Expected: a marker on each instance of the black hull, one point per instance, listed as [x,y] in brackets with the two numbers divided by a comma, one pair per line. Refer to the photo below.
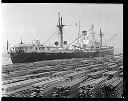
[33,57]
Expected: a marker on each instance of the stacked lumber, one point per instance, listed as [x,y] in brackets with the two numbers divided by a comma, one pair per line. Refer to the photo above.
[26,77]
[112,67]
[46,88]
[90,88]
[25,72]
[22,85]
[111,74]
[120,69]
[88,67]
[113,88]
[96,75]
[61,91]
[39,79]
[62,73]
[68,90]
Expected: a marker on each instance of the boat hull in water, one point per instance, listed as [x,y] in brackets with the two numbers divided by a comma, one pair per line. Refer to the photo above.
[34,56]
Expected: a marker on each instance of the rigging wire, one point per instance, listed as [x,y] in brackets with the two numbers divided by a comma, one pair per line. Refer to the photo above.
[51,35]
[110,39]
[77,38]
[49,38]
[5,61]
[117,51]
[5,58]
[55,38]
[67,35]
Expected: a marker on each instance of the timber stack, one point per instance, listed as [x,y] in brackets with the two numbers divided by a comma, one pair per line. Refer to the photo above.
[100,77]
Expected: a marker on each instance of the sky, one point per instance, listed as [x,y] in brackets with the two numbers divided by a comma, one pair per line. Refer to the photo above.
[38,21]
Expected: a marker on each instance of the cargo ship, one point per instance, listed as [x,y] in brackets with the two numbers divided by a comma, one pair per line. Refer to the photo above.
[25,53]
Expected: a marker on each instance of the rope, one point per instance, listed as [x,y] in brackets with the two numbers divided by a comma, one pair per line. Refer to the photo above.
[49,38]
[77,38]
[110,39]
[67,36]
[117,51]
[5,61]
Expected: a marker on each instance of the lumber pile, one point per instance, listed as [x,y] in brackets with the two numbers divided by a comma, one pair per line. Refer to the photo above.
[111,74]
[113,88]
[96,75]
[102,88]
[120,69]
[67,78]
[90,88]
[45,89]
[69,89]
[112,67]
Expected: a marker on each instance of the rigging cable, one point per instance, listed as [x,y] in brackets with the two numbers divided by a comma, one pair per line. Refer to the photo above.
[118,52]
[49,38]
[4,58]
[5,61]
[77,38]
[110,39]
[67,36]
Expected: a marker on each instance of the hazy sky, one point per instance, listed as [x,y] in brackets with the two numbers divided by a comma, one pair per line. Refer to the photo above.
[38,21]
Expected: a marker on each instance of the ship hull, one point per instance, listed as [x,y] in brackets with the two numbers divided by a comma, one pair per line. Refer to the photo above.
[34,56]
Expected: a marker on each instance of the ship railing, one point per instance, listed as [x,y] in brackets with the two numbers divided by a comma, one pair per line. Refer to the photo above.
[106,47]
[17,51]
[91,49]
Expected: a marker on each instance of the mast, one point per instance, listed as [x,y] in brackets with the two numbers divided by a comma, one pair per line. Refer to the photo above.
[93,37]
[60,27]
[21,41]
[61,34]
[101,37]
[92,32]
